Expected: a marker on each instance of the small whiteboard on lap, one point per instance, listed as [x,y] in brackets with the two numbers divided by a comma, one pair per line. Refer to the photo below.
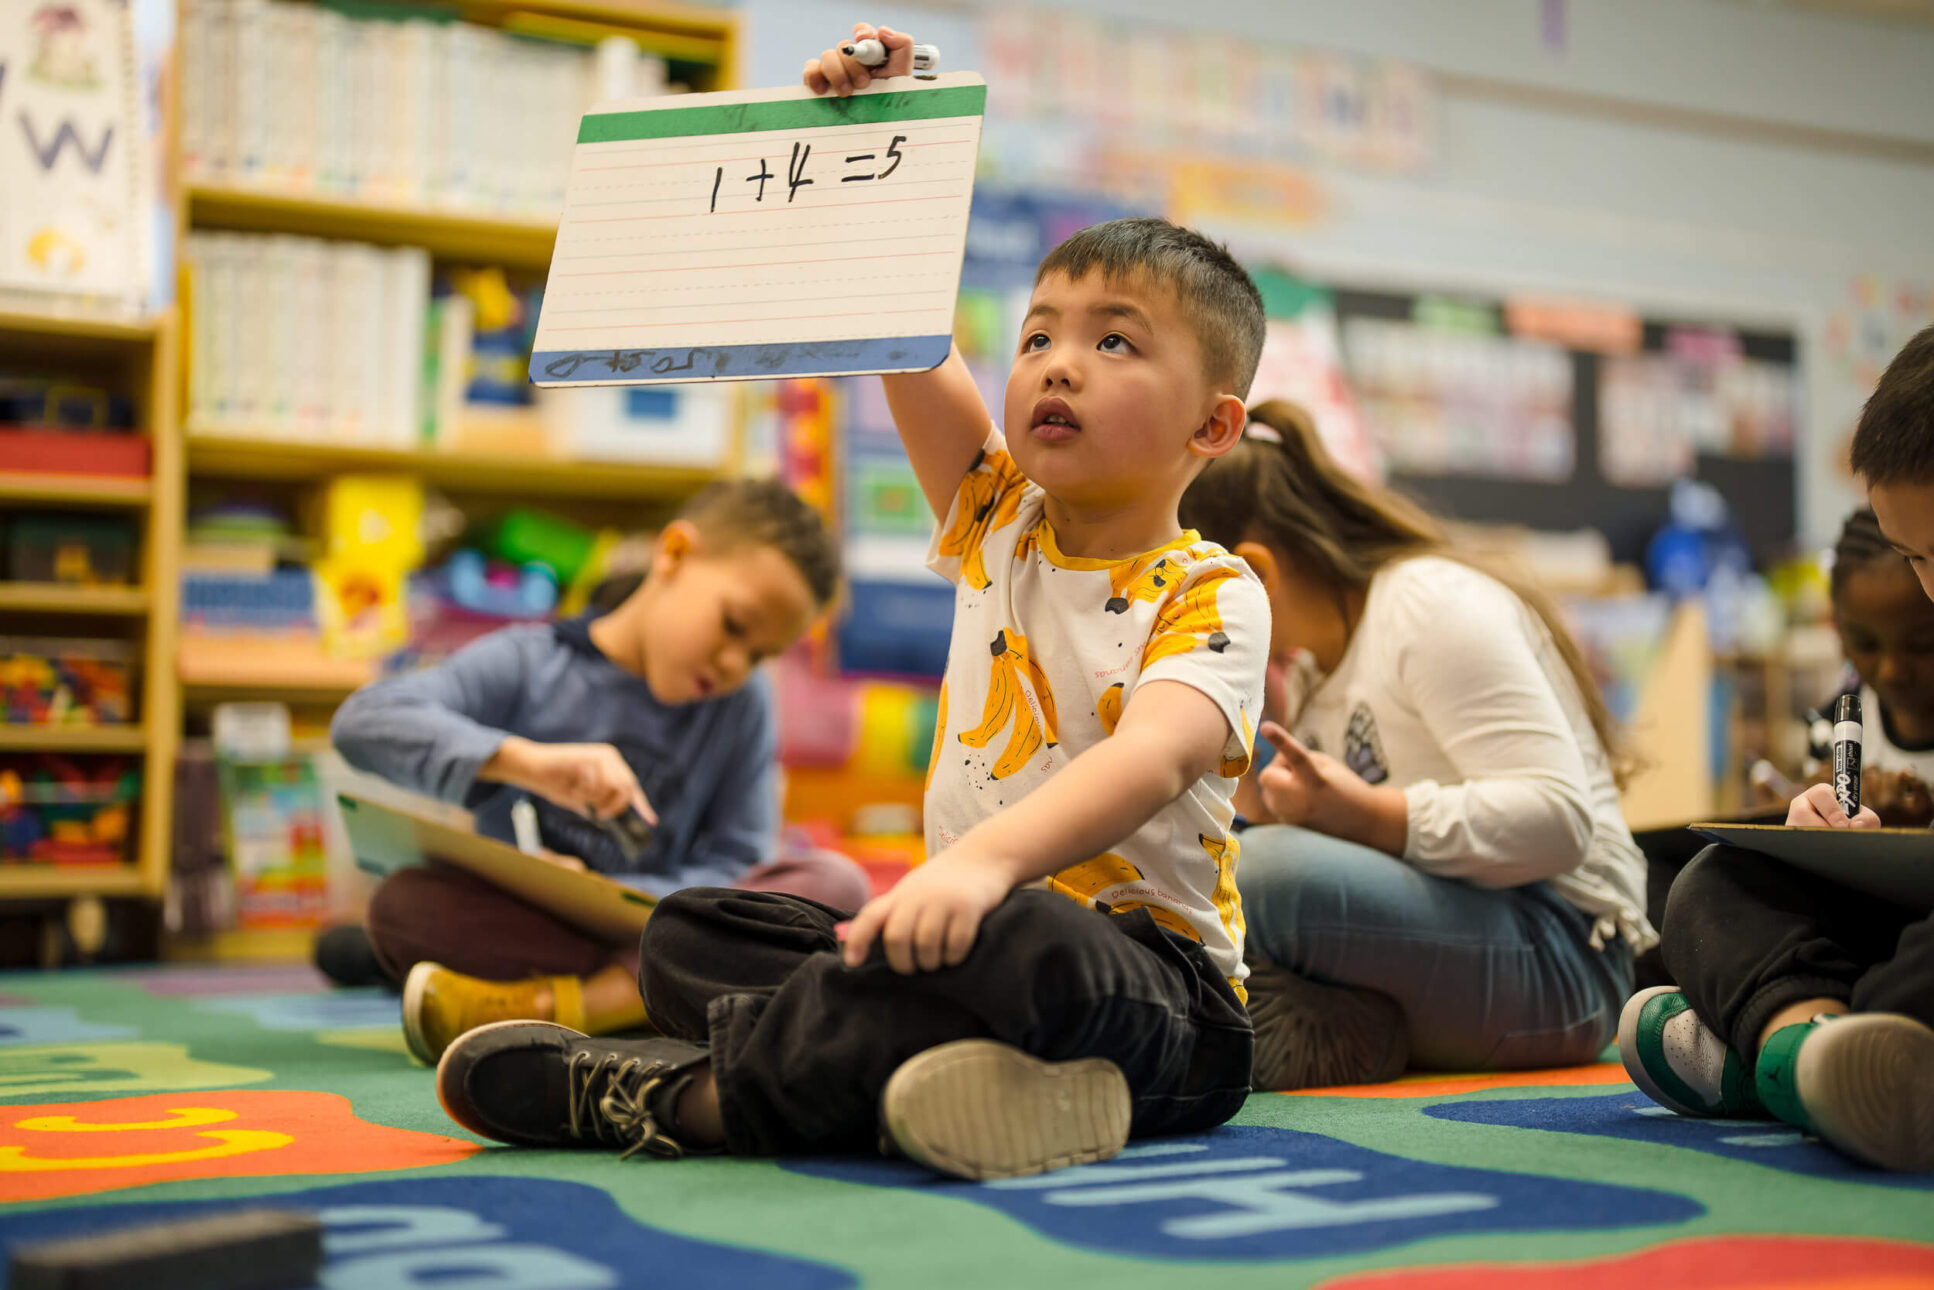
[762,234]
[1894,864]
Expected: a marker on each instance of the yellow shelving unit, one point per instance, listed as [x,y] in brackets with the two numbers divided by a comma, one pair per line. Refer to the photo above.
[242,457]
[73,739]
[27,488]
[703,45]
[58,598]
[140,355]
[447,234]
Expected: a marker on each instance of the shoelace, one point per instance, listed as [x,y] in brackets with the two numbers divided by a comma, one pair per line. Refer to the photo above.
[622,1114]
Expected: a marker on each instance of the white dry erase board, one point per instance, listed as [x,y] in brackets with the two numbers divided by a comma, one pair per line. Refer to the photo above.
[761,234]
[384,839]
[1894,864]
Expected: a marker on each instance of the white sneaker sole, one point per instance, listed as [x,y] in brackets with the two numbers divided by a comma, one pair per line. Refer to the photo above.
[413,987]
[1628,1049]
[1867,1082]
[979,1109]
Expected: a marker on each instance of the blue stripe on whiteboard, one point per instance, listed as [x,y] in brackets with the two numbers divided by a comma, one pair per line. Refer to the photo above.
[739,362]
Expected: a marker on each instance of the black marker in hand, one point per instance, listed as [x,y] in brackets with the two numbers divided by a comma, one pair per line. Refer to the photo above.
[1847,737]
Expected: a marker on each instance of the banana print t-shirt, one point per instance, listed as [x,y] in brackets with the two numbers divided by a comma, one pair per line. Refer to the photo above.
[1047,650]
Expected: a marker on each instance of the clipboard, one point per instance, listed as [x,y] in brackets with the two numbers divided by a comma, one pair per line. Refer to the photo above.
[384,839]
[1894,864]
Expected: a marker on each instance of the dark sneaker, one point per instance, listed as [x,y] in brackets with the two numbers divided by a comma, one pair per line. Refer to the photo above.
[1863,1081]
[1679,1062]
[344,955]
[538,1084]
[1312,1035]
[979,1109]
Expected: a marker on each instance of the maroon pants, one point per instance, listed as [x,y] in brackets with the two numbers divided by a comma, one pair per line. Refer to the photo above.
[446,915]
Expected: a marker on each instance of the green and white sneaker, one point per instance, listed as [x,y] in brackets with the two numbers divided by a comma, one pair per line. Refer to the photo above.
[1863,1081]
[1678,1062]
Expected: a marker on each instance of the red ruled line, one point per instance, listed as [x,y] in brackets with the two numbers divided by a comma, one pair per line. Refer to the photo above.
[694,323]
[822,206]
[756,264]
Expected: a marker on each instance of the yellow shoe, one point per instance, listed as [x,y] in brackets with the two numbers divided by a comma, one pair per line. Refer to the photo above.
[439,1005]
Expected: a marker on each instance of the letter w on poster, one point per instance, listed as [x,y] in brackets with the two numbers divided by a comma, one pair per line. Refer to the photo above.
[762,234]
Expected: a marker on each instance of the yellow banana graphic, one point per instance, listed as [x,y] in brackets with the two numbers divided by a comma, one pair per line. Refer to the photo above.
[990,497]
[1082,881]
[1030,543]
[1237,767]
[1007,702]
[1143,579]
[1228,901]
[1108,708]
[1189,619]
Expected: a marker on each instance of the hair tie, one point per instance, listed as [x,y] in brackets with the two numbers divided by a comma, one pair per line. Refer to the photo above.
[1266,433]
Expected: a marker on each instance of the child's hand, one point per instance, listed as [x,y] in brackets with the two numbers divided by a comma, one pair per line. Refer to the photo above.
[929,920]
[1818,808]
[843,74]
[1315,791]
[589,778]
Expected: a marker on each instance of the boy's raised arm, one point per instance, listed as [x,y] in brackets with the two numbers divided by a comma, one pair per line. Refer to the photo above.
[940,415]
[943,424]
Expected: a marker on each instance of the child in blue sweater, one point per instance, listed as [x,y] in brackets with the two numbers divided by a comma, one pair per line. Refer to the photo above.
[654,708]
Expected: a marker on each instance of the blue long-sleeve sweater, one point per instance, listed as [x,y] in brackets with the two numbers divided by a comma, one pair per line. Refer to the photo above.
[708,768]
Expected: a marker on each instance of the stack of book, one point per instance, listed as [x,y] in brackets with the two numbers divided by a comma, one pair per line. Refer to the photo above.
[304,98]
[297,338]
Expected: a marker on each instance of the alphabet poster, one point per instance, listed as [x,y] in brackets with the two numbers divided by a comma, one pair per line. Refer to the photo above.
[70,149]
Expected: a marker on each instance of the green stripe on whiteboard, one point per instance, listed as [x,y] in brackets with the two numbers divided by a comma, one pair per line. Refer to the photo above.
[783,114]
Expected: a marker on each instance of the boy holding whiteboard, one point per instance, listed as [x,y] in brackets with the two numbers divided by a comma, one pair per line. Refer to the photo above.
[1797,998]
[1065,970]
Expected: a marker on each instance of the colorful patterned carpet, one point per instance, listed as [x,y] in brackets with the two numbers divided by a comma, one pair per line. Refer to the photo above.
[128,1096]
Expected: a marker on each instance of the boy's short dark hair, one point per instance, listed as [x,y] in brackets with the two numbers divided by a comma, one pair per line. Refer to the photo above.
[1895,440]
[1216,294]
[733,514]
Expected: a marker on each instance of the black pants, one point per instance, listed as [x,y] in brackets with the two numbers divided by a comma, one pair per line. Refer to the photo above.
[1746,935]
[802,1045]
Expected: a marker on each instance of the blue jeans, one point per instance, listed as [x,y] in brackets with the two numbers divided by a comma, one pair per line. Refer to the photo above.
[1487,979]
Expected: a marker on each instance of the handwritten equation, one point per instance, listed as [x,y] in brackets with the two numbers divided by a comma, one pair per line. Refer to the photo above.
[777,223]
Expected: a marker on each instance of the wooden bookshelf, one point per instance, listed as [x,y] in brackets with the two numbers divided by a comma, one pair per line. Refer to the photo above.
[241,457]
[447,233]
[73,739]
[56,598]
[26,487]
[65,882]
[74,331]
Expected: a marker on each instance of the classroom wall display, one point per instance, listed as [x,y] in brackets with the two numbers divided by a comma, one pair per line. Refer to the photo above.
[1205,91]
[1658,412]
[1302,361]
[1717,401]
[74,205]
[761,234]
[1445,394]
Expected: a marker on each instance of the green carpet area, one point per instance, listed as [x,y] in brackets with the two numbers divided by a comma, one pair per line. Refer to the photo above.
[130,1095]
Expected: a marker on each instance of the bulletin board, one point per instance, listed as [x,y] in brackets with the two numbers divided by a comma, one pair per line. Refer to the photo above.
[1594,476]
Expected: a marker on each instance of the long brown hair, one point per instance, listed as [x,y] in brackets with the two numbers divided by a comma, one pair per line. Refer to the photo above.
[1296,499]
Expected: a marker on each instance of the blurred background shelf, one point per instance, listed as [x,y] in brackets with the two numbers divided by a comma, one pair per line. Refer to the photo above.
[70,739]
[240,457]
[445,232]
[72,331]
[57,882]
[30,488]
[55,598]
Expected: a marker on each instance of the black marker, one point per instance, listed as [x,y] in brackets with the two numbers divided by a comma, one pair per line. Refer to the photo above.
[1847,736]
